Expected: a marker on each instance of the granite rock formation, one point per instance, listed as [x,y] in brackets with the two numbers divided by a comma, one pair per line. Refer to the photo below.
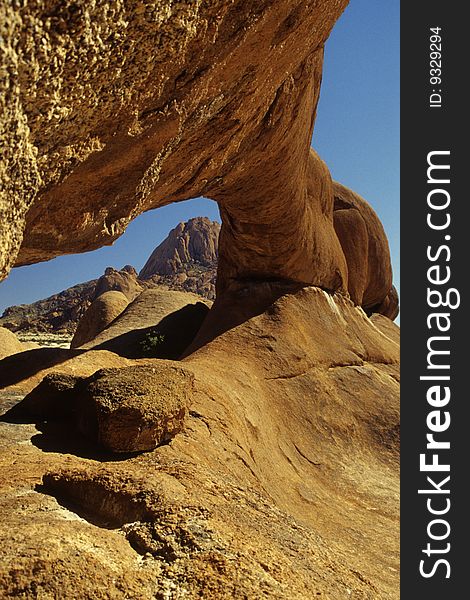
[187,259]
[174,317]
[58,313]
[9,343]
[134,409]
[124,281]
[193,243]
[285,478]
[61,312]
[284,481]
[171,102]
[98,316]
[193,271]
[365,247]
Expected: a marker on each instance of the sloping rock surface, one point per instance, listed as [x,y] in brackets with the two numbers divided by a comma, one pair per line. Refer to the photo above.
[98,316]
[175,316]
[283,483]
[9,343]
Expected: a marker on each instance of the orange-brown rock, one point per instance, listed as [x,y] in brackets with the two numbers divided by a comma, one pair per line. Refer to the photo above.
[224,110]
[389,307]
[134,409]
[193,243]
[284,481]
[124,281]
[98,316]
[285,478]
[23,371]
[173,317]
[365,247]
[186,260]
[124,410]
[9,343]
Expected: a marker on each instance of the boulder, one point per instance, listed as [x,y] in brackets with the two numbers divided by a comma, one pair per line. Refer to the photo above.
[98,316]
[134,409]
[129,409]
[9,343]
[124,281]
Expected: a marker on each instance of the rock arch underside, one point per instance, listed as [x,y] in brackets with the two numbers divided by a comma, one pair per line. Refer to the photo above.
[283,482]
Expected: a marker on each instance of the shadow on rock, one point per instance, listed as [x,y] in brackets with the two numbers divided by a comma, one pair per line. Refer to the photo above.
[21,366]
[61,437]
[167,340]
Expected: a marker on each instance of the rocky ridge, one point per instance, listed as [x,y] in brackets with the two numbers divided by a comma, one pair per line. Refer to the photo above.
[187,259]
[59,313]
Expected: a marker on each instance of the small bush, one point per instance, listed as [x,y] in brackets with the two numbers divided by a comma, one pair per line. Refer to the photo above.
[151,342]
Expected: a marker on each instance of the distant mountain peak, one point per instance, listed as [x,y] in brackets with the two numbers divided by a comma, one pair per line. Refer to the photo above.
[191,243]
[186,260]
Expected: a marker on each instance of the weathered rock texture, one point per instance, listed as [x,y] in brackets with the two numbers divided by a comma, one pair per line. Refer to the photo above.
[98,316]
[189,244]
[123,410]
[284,481]
[134,409]
[128,107]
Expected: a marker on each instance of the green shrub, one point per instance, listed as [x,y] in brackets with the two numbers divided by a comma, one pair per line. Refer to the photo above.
[151,342]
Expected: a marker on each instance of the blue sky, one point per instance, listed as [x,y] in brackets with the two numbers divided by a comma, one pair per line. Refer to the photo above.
[356,133]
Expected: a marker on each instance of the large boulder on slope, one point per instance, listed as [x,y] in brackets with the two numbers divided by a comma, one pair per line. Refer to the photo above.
[102,311]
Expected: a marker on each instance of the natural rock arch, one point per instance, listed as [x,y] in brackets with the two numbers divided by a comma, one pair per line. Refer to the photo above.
[216,100]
